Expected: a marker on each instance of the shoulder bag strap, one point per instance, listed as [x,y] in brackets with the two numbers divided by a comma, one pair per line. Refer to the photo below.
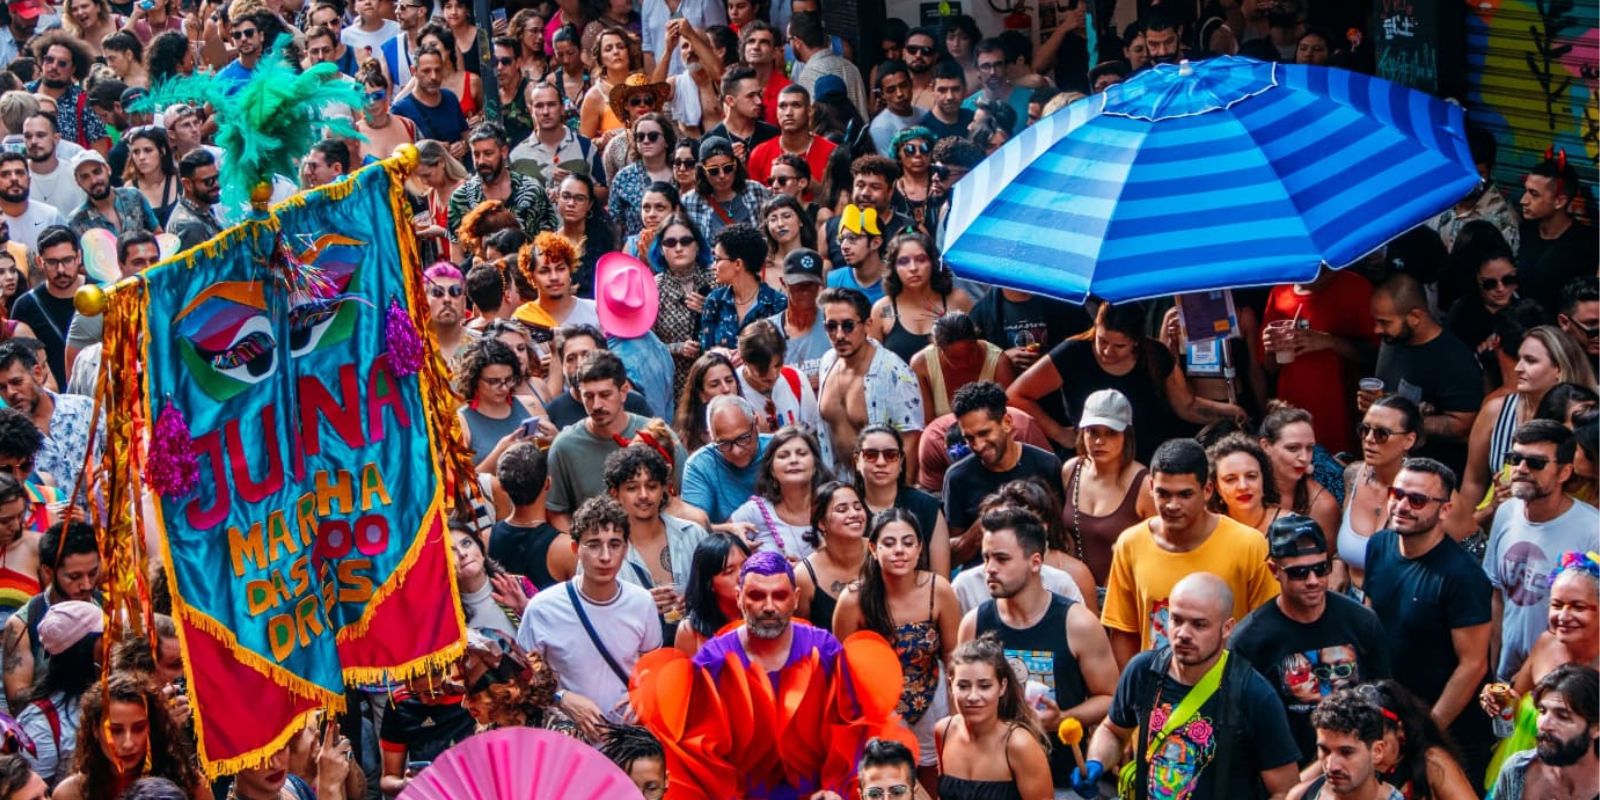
[594,637]
[52,716]
[1190,704]
[83,129]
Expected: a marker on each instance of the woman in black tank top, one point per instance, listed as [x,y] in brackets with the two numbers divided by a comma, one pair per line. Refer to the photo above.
[840,518]
[993,747]
[918,289]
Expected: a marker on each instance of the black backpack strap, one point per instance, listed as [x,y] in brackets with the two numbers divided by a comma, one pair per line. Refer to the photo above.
[1148,692]
[1230,715]
[37,607]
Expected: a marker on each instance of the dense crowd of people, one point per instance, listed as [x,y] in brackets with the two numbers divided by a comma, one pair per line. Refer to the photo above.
[1359,562]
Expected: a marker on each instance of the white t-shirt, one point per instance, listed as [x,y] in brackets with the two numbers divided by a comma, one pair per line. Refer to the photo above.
[627,625]
[57,188]
[685,104]
[1518,561]
[355,38]
[583,313]
[972,590]
[35,218]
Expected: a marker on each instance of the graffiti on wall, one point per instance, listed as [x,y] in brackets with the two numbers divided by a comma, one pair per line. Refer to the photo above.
[1533,79]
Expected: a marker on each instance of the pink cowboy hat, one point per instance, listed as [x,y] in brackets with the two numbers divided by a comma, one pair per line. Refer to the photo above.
[626,296]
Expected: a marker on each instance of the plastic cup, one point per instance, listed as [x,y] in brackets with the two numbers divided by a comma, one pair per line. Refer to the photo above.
[1281,331]
[1371,384]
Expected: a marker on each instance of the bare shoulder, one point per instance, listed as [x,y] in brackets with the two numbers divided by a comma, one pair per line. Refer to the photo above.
[70,789]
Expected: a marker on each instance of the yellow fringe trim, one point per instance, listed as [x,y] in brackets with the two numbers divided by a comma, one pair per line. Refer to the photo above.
[260,756]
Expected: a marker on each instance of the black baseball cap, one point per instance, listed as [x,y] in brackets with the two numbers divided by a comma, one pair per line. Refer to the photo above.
[1295,535]
[802,265]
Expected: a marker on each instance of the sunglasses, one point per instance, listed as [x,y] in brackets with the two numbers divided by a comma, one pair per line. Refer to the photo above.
[1300,573]
[377,95]
[647,137]
[641,101]
[1490,284]
[1535,463]
[913,149]
[240,33]
[683,163]
[783,180]
[1377,433]
[1414,499]
[833,326]
[918,49]
[887,455]
[725,169]
[437,291]
[504,61]
[678,241]
[206,183]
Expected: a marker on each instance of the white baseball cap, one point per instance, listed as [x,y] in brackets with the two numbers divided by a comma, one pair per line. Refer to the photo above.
[1108,408]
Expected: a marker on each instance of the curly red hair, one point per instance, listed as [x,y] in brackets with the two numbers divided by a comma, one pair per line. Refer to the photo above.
[553,246]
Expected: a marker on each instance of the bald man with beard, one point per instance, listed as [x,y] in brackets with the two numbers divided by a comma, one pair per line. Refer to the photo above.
[1235,742]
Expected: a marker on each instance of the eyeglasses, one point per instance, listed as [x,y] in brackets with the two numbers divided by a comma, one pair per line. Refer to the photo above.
[678,241]
[1414,499]
[833,326]
[1300,573]
[917,50]
[879,792]
[913,149]
[504,61]
[240,33]
[1535,463]
[1377,433]
[598,546]
[436,291]
[887,455]
[647,137]
[1490,284]
[500,383]
[569,197]
[60,263]
[683,163]
[725,169]
[739,442]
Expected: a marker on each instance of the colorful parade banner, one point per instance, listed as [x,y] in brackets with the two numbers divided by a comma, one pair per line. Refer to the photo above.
[304,544]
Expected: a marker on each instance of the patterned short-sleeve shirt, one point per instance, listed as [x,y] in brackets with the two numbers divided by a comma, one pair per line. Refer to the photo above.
[894,398]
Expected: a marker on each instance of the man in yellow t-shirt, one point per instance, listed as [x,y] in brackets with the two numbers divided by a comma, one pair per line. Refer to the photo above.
[1151,557]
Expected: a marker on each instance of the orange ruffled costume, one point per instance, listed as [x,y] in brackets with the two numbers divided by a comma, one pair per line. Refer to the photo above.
[733,734]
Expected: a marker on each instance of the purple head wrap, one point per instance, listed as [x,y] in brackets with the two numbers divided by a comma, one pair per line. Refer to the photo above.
[767,562]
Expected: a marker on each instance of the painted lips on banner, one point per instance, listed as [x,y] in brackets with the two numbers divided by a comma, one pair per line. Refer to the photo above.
[311,553]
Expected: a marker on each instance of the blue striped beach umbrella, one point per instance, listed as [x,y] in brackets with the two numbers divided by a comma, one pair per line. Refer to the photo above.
[1222,173]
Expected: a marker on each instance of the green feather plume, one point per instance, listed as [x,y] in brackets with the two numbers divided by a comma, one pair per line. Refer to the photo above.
[267,124]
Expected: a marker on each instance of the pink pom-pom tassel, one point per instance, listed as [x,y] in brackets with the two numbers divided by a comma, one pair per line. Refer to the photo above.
[405,345]
[170,465]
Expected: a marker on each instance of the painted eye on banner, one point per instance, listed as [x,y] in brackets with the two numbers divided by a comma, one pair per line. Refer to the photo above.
[226,339]
[327,314]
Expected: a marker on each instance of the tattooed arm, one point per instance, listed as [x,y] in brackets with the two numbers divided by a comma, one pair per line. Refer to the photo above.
[17,661]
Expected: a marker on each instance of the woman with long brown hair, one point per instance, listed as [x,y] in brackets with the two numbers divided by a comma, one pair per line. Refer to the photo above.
[91,21]
[838,525]
[124,734]
[614,57]
[712,374]
[916,611]
[993,746]
[152,170]
[1107,489]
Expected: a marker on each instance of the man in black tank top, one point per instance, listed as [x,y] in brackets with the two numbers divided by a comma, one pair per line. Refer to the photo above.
[524,543]
[1055,646]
